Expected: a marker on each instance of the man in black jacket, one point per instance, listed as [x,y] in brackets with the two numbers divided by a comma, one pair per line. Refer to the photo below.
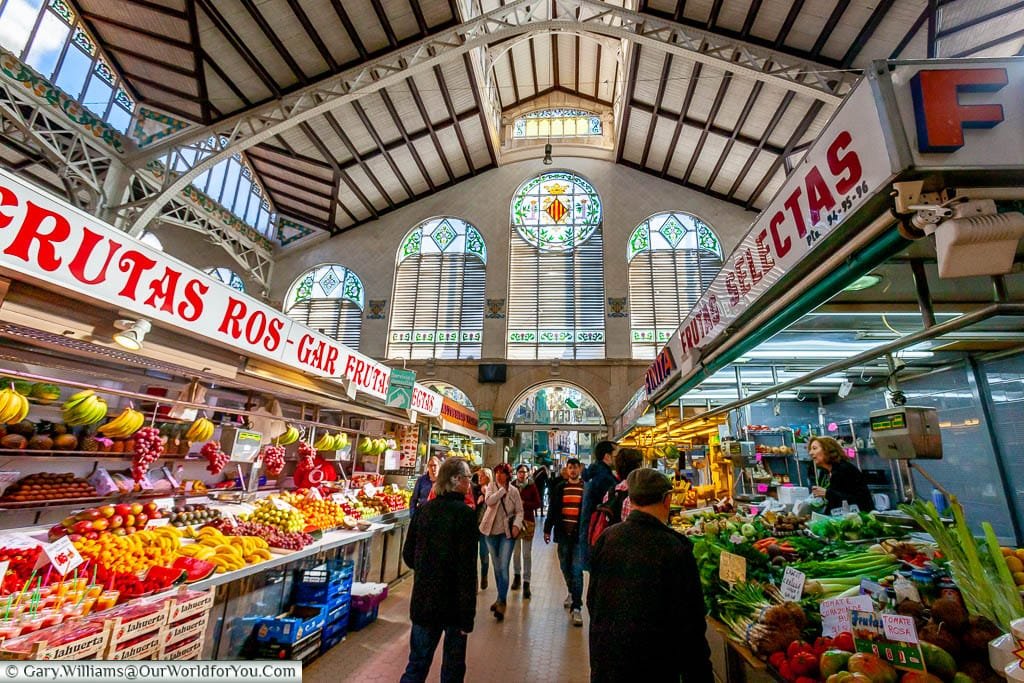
[441,548]
[645,600]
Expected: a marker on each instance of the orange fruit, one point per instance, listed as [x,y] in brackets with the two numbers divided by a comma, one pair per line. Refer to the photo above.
[1006,551]
[1014,563]
[1018,578]
[1019,553]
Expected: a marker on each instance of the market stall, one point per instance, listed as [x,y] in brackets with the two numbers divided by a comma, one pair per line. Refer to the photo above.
[922,591]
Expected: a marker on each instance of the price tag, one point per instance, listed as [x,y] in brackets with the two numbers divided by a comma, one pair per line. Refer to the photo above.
[229,517]
[314,493]
[281,504]
[732,568]
[163,521]
[890,637]
[63,555]
[792,588]
[835,613]
[164,503]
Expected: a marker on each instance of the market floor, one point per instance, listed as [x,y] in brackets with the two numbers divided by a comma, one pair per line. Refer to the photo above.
[536,642]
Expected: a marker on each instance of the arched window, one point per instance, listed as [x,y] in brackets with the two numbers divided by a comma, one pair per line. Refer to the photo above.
[556,123]
[228,277]
[673,258]
[437,310]
[451,391]
[329,299]
[556,270]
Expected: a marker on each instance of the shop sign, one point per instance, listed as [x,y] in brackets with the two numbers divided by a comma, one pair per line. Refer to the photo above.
[426,400]
[486,421]
[662,371]
[53,243]
[458,414]
[400,387]
[635,410]
[844,167]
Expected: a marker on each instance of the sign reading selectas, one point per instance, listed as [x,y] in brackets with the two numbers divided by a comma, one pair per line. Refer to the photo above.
[46,239]
[426,401]
[845,166]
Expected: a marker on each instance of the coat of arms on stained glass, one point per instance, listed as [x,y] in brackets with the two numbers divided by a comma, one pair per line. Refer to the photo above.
[495,308]
[618,307]
[375,309]
[556,211]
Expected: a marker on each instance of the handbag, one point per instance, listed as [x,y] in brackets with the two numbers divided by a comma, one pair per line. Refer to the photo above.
[513,530]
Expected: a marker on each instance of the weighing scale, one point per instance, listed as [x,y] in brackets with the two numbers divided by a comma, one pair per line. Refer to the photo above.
[904,434]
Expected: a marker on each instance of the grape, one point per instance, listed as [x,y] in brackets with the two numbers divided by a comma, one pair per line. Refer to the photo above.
[273,459]
[148,447]
[272,535]
[306,454]
[216,457]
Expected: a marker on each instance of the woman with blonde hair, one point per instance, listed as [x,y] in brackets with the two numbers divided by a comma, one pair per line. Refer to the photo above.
[838,479]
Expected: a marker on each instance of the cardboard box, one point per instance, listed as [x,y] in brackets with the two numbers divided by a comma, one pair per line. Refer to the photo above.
[135,620]
[187,603]
[175,633]
[77,640]
[189,648]
[140,648]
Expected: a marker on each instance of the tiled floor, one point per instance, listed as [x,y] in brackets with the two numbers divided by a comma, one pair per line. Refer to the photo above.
[536,642]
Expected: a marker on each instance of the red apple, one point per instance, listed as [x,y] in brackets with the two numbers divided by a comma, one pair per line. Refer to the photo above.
[141,519]
[107,511]
[92,535]
[151,508]
[57,531]
[123,509]
[116,521]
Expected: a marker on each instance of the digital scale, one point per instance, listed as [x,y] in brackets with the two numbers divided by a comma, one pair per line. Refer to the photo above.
[243,446]
[907,433]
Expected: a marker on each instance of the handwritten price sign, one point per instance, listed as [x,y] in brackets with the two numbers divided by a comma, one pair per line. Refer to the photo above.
[63,555]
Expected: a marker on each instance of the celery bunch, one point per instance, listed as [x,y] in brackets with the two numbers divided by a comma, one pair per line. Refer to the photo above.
[980,573]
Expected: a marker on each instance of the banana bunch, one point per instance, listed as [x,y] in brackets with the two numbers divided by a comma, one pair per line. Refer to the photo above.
[289,437]
[331,442]
[166,537]
[228,553]
[124,425]
[84,408]
[13,406]
[201,430]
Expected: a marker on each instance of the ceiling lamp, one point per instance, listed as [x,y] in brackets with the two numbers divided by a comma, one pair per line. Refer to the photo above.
[863,282]
[547,155]
[131,333]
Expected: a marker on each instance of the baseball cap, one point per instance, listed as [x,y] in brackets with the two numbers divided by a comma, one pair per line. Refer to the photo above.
[647,486]
[572,461]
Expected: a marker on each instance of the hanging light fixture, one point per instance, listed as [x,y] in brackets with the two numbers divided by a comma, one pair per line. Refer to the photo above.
[131,333]
[547,155]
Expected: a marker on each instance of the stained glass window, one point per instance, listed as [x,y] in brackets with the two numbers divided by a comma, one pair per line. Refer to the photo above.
[556,123]
[673,258]
[228,277]
[556,272]
[329,299]
[437,309]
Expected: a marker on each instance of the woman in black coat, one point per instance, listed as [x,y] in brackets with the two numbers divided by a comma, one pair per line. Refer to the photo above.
[838,478]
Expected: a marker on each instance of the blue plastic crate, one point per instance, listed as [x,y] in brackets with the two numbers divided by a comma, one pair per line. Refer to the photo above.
[292,626]
[323,582]
[336,626]
[359,619]
[333,640]
[339,612]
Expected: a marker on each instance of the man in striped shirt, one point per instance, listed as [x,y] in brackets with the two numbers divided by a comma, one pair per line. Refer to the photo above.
[564,519]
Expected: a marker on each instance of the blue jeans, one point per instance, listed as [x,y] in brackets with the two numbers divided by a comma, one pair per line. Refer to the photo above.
[484,561]
[423,643]
[500,547]
[572,569]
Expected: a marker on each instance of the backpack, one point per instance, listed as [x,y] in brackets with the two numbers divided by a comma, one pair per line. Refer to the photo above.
[605,515]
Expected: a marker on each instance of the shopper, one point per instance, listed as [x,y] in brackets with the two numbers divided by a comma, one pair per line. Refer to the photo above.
[522,552]
[564,519]
[502,523]
[540,479]
[599,480]
[421,492]
[645,600]
[616,506]
[838,479]
[441,549]
[482,478]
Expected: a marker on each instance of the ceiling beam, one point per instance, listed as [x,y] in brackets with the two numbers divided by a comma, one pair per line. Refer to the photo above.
[1001,12]
[748,106]
[446,96]
[148,59]
[750,18]
[313,34]
[691,88]
[114,23]
[794,139]
[236,43]
[699,123]
[417,12]
[787,24]
[487,123]
[634,65]
[881,9]
[365,120]
[350,28]
[521,16]
[909,35]
[422,109]
[267,30]
[666,69]
[762,143]
[397,120]
[716,105]
[197,62]
[991,43]
[830,25]
[224,78]
[360,162]
[326,153]
[382,17]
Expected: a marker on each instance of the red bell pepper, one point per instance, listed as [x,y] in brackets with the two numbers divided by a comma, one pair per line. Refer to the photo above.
[844,641]
[804,664]
[797,646]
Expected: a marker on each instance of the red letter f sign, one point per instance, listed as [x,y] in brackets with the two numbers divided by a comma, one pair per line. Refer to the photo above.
[940,116]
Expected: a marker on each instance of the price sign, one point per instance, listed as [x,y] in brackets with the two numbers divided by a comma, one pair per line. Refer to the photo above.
[281,504]
[792,587]
[835,613]
[63,555]
[315,494]
[732,568]
[163,521]
[890,637]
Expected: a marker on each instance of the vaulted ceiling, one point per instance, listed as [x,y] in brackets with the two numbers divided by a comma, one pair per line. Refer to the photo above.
[703,121]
